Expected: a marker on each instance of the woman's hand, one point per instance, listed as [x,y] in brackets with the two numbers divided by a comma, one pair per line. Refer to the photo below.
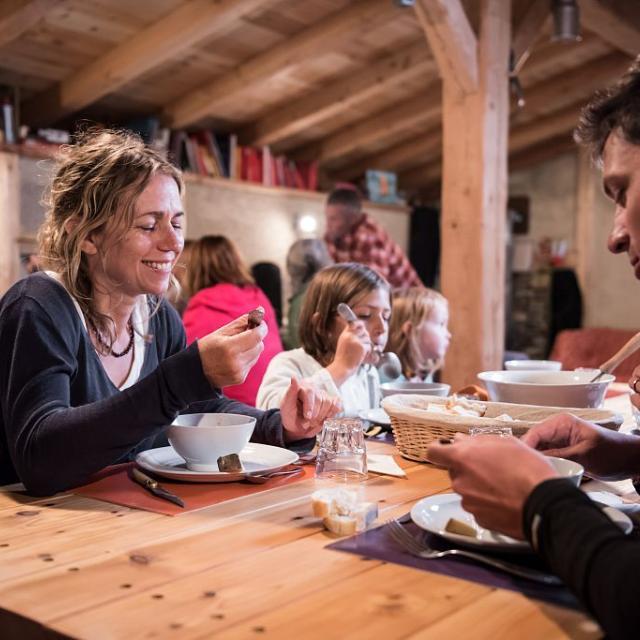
[228,353]
[602,452]
[352,348]
[304,409]
[494,476]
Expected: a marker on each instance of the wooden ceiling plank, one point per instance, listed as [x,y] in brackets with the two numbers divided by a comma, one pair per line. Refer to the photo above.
[620,31]
[569,87]
[452,40]
[399,156]
[190,23]
[289,53]
[528,31]
[422,108]
[18,16]
[412,62]
[539,98]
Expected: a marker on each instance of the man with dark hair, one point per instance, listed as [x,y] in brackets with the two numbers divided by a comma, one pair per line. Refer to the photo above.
[352,236]
[512,488]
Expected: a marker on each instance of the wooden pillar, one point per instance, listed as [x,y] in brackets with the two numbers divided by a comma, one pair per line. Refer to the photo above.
[9,219]
[474,180]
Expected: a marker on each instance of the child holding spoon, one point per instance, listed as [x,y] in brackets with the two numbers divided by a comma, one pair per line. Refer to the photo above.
[334,351]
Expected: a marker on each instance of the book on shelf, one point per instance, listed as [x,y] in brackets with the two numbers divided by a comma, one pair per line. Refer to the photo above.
[218,155]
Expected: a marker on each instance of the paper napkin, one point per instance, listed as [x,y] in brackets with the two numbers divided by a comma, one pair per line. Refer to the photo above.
[384,464]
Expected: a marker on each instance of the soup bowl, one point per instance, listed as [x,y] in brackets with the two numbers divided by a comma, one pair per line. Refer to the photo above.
[201,438]
[546,388]
[567,469]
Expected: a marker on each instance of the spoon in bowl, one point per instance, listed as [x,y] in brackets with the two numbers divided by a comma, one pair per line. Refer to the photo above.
[627,349]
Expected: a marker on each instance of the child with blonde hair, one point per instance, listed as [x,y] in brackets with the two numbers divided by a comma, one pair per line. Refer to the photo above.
[419,333]
[336,354]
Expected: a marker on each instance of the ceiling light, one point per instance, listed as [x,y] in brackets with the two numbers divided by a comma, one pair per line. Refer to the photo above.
[566,21]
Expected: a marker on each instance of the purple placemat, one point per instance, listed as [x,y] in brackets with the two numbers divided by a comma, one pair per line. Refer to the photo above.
[378,543]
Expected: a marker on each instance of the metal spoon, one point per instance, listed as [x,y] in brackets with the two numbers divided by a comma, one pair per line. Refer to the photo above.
[389,365]
[627,349]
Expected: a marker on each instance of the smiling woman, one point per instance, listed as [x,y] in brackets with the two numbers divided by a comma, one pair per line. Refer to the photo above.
[94,362]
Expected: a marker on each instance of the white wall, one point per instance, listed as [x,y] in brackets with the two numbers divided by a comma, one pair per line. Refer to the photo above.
[613,298]
[261,221]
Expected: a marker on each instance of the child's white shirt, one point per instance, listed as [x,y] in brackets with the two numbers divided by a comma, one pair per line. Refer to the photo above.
[359,392]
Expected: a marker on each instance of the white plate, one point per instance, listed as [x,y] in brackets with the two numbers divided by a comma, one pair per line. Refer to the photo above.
[433,513]
[377,416]
[255,458]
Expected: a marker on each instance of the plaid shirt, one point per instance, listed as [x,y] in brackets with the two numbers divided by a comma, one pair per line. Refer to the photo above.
[368,243]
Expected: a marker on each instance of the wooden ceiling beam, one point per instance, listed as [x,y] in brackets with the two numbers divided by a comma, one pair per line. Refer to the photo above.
[555,126]
[411,63]
[18,16]
[398,157]
[570,87]
[311,41]
[605,18]
[452,40]
[528,31]
[423,108]
[537,97]
[165,39]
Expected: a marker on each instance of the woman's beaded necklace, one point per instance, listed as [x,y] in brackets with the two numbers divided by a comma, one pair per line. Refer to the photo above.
[105,348]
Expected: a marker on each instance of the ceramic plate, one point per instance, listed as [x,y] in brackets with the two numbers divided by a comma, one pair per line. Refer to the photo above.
[376,416]
[255,458]
[433,513]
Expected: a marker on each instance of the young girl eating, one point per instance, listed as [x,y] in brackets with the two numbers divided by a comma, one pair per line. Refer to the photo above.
[336,354]
[419,333]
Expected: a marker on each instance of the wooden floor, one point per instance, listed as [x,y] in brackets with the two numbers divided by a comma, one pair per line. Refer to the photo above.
[251,568]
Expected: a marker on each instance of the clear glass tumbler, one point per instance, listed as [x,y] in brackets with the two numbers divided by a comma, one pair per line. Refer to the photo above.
[342,453]
[490,431]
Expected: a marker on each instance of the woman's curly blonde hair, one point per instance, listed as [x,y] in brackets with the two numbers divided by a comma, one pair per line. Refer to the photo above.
[96,185]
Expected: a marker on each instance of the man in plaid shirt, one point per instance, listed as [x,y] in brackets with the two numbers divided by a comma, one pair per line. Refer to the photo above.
[352,236]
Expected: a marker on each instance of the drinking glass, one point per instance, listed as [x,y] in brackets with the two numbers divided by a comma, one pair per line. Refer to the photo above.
[342,453]
[490,431]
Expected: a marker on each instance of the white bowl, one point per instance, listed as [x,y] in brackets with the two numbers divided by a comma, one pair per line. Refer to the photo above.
[533,365]
[546,388]
[420,388]
[201,438]
[567,469]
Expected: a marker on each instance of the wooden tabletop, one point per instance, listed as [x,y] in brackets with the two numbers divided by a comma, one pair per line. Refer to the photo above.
[255,567]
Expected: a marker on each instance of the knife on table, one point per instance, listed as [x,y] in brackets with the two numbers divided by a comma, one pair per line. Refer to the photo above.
[153,487]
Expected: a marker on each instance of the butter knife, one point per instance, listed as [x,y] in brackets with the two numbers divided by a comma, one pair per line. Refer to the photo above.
[153,487]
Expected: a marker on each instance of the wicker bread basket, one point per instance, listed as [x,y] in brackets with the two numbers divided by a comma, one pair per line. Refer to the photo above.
[414,428]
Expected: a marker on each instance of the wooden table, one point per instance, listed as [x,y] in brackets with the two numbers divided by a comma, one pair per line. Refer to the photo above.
[251,568]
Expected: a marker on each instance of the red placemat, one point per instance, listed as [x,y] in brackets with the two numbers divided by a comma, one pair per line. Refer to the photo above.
[114,485]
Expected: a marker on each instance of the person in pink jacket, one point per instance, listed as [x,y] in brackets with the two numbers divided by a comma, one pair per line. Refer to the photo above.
[221,289]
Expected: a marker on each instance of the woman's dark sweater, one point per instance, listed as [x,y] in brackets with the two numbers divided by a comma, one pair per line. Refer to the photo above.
[62,419]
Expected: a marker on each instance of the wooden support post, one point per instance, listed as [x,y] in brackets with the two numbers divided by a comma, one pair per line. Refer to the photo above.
[9,219]
[474,192]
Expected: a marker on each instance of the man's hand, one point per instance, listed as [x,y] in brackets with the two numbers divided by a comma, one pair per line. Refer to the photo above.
[229,353]
[352,348]
[602,452]
[304,410]
[494,476]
